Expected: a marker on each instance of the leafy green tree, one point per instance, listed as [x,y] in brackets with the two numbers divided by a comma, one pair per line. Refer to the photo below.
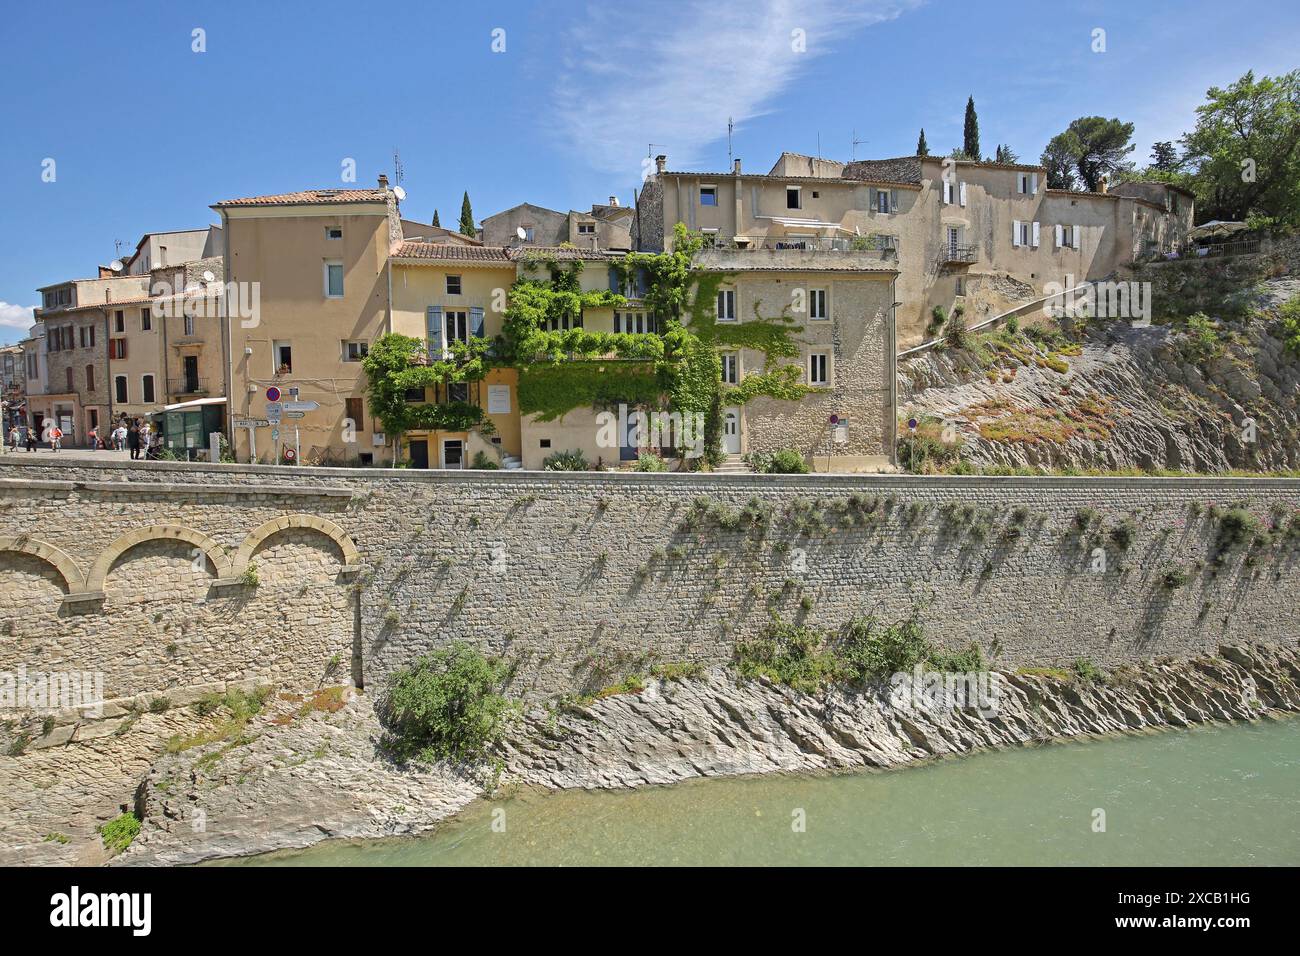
[1245,150]
[1060,165]
[397,364]
[1164,158]
[1005,154]
[1094,146]
[466,217]
[922,148]
[971,131]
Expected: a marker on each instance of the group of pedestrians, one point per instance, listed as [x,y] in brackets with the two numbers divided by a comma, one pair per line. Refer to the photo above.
[134,435]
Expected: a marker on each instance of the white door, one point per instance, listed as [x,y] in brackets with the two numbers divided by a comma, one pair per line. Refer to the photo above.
[453,451]
[731,431]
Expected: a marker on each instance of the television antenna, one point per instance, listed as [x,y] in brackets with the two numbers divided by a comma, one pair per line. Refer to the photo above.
[856,143]
[730,127]
[398,171]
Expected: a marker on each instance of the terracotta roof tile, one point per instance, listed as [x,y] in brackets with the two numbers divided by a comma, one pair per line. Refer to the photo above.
[310,196]
[411,249]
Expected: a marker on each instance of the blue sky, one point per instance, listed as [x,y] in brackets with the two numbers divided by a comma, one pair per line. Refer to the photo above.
[147,133]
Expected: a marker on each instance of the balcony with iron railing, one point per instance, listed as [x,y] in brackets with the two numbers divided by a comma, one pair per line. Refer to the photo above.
[959,254]
[800,253]
[187,386]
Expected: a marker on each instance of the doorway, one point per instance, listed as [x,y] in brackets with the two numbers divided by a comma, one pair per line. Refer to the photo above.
[453,453]
[731,431]
[419,453]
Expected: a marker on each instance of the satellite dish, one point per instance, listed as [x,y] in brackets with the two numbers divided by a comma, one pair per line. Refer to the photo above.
[209,277]
[520,233]
[399,192]
[116,265]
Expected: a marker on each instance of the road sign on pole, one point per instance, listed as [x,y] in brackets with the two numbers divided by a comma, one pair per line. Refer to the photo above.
[272,394]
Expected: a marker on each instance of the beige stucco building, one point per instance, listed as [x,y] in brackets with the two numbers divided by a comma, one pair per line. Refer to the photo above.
[985,236]
[306,293]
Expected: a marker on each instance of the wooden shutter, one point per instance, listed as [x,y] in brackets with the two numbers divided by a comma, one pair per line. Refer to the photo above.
[613,280]
[963,194]
[1060,235]
[1015,232]
[893,200]
[1033,184]
[874,202]
[1074,235]
[1035,236]
[434,332]
[476,323]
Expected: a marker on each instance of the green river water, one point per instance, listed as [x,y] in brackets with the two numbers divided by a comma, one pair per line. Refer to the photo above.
[1221,795]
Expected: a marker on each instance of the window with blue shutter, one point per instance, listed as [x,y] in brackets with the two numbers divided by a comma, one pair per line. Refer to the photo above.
[476,323]
[613,280]
[641,282]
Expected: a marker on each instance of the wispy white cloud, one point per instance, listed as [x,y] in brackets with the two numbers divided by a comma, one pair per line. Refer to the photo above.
[15,316]
[673,74]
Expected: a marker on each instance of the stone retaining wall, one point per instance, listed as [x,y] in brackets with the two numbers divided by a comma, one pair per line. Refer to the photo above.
[143,572]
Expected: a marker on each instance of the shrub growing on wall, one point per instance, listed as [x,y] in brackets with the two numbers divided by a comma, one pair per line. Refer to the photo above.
[566,461]
[447,706]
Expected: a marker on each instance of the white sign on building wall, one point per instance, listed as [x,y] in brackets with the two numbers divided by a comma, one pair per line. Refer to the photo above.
[498,399]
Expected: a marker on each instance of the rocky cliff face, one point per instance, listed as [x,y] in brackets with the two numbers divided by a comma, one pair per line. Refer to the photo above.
[1174,396]
[719,725]
[289,783]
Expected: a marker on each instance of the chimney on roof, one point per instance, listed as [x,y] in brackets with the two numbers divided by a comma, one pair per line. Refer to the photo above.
[613,200]
[661,163]
[383,181]
[736,169]
[1103,184]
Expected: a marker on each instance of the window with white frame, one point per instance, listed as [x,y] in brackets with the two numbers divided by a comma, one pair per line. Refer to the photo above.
[819,368]
[727,305]
[282,357]
[1024,233]
[1067,237]
[119,321]
[793,197]
[333,279]
[635,322]
[355,351]
[1027,184]
[189,325]
[817,304]
[146,389]
[586,228]
[730,368]
[457,325]
[333,232]
[708,195]
[146,320]
[453,285]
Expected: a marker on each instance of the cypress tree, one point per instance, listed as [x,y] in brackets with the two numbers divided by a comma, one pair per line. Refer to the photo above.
[922,149]
[435,219]
[466,217]
[971,131]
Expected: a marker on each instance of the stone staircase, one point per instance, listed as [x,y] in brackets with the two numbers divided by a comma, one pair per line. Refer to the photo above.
[511,462]
[732,465]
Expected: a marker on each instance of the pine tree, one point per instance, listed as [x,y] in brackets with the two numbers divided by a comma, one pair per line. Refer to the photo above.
[466,217]
[435,219]
[922,148]
[971,131]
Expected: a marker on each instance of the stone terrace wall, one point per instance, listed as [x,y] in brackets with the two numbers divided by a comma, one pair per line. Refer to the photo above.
[584,578]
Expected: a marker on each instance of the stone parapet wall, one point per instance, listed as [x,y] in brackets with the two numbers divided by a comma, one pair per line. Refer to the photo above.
[583,578]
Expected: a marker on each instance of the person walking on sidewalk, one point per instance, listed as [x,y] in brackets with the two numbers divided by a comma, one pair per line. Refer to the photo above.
[133,439]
